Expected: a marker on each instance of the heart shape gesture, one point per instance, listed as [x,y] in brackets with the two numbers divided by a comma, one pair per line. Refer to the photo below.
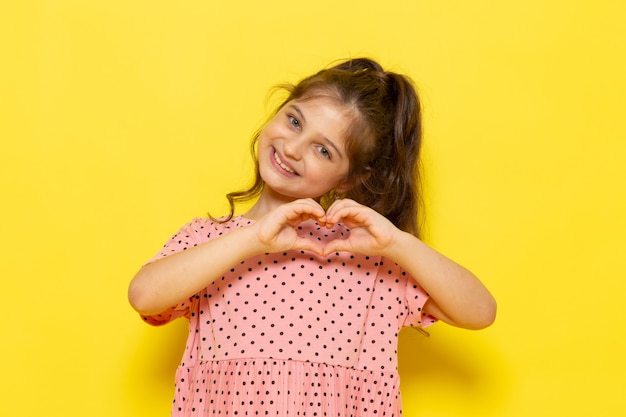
[370,232]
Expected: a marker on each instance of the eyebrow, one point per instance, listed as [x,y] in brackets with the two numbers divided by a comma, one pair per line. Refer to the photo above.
[328,141]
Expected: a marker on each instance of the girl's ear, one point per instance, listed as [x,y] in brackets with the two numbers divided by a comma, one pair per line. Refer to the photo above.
[342,188]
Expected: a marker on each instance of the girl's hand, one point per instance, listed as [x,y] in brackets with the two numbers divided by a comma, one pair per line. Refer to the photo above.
[276,231]
[370,232]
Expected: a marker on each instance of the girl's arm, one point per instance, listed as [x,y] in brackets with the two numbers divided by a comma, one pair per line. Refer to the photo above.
[457,296]
[167,281]
[164,283]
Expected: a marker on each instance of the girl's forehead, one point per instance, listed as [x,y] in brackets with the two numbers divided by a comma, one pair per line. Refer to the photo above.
[324,101]
[320,95]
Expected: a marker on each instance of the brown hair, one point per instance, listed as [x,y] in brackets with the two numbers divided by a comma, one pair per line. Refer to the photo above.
[383,143]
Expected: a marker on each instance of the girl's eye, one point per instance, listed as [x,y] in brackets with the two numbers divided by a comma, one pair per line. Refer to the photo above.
[324,152]
[294,122]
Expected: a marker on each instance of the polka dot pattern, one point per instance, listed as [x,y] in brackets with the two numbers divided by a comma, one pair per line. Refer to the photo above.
[293,333]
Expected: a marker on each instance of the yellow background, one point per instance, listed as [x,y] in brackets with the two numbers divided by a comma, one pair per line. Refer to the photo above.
[121,120]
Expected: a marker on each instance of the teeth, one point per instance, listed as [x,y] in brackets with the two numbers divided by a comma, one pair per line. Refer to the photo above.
[282,164]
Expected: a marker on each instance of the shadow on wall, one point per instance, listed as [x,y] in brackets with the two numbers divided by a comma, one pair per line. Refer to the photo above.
[452,372]
[152,363]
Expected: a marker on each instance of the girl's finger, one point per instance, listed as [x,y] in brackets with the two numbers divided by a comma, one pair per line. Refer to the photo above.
[302,210]
[347,214]
[341,205]
[337,245]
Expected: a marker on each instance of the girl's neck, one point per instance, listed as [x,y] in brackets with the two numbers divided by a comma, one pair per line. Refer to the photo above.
[267,201]
[257,211]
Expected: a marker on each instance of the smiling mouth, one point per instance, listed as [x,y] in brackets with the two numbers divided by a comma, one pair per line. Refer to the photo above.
[283,165]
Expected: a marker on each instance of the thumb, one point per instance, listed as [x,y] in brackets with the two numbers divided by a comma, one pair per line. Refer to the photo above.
[308,244]
[337,245]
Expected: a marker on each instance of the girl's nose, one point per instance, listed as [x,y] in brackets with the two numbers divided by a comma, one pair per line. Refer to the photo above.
[293,148]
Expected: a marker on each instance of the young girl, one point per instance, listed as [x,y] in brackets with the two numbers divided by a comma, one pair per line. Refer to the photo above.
[295,307]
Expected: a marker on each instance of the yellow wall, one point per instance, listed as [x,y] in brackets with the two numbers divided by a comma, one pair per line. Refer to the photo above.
[120,120]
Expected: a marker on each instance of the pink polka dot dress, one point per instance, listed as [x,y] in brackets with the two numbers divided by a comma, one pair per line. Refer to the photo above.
[293,333]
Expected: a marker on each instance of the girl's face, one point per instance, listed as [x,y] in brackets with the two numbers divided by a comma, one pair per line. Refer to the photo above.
[302,152]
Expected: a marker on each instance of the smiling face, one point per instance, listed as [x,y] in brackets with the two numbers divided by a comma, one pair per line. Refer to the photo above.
[302,150]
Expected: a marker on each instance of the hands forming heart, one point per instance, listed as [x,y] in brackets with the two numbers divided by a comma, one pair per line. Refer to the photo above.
[370,232]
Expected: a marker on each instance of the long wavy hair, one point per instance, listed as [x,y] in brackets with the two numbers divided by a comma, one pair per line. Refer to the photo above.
[383,142]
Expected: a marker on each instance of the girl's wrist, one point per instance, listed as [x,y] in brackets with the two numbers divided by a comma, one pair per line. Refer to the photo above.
[402,244]
[250,240]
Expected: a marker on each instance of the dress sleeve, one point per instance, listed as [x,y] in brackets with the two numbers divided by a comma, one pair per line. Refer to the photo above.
[182,309]
[190,235]
[415,298]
